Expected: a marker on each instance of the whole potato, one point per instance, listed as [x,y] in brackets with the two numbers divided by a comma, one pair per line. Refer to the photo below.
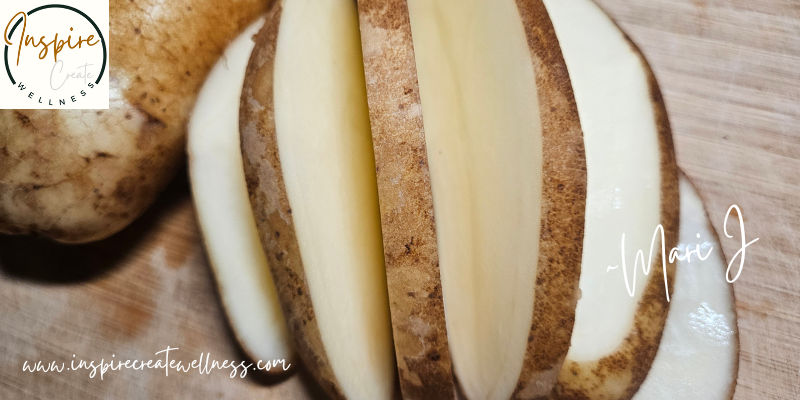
[77,176]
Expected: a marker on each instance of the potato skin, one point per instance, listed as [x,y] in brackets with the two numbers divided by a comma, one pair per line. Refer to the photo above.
[77,176]
[564,184]
[619,375]
[407,206]
[271,208]
[406,201]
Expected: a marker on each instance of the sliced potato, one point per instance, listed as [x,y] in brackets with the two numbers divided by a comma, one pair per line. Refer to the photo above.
[699,353]
[632,188]
[81,175]
[309,165]
[223,210]
[481,174]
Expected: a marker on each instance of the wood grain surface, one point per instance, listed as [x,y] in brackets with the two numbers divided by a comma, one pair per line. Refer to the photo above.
[730,74]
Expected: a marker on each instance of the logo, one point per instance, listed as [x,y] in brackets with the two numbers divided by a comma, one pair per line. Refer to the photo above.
[55,56]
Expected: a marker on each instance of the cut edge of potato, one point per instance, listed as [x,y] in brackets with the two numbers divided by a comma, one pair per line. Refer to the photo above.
[619,372]
[698,354]
[404,179]
[222,205]
[484,146]
[312,194]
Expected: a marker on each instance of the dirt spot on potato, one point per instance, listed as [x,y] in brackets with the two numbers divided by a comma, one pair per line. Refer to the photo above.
[390,15]
[125,190]
[23,119]
[148,132]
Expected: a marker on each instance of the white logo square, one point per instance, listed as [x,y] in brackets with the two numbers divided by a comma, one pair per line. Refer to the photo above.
[55,55]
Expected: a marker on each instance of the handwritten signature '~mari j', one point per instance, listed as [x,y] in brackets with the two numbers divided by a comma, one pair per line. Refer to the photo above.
[675,253]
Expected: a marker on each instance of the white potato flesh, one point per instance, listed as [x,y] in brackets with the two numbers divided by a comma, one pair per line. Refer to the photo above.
[325,148]
[697,357]
[624,181]
[223,209]
[483,135]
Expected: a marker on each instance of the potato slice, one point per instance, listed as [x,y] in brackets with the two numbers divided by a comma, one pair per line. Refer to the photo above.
[482,177]
[223,210]
[699,353]
[632,188]
[311,176]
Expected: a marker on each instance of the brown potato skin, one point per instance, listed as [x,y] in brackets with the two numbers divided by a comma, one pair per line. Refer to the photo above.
[270,204]
[619,375]
[563,209]
[77,176]
[408,222]
[406,201]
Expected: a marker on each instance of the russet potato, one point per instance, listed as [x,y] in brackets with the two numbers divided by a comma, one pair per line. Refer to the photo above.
[77,176]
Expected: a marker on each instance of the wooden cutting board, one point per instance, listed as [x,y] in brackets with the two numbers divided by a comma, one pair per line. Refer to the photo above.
[730,73]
